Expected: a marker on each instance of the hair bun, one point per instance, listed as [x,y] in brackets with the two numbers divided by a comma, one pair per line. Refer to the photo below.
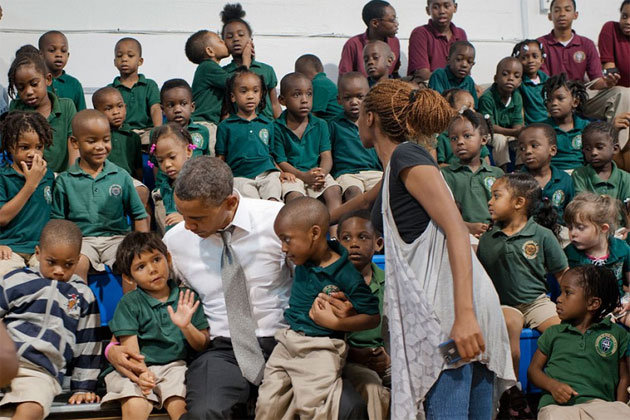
[232,11]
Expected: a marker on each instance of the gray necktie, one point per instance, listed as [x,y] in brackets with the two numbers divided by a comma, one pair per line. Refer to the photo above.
[241,323]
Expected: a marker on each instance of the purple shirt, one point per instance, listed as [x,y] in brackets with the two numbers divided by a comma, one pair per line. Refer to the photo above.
[614,47]
[578,59]
[428,49]
[352,54]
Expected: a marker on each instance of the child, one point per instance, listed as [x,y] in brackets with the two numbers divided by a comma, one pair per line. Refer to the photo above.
[382,25]
[303,374]
[368,362]
[377,57]
[517,253]
[470,179]
[355,168]
[564,99]
[456,74]
[591,220]
[141,95]
[324,90]
[505,106]
[159,320]
[52,317]
[243,139]
[29,78]
[54,47]
[237,34]
[531,54]
[302,144]
[25,188]
[581,365]
[96,194]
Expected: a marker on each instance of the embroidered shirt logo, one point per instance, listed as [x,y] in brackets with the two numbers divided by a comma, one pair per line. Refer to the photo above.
[489,182]
[197,139]
[73,304]
[530,250]
[48,194]
[576,143]
[579,57]
[115,190]
[606,345]
[558,198]
[263,135]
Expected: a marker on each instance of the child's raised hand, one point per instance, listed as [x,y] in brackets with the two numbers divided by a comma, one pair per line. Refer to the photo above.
[186,307]
[36,172]
[5,252]
[173,219]
[83,397]
[146,382]
[562,392]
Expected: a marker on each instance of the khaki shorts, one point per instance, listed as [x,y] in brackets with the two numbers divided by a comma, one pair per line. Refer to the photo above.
[32,384]
[594,409]
[363,180]
[170,380]
[212,135]
[265,186]
[145,135]
[18,260]
[138,184]
[536,312]
[101,250]
[299,186]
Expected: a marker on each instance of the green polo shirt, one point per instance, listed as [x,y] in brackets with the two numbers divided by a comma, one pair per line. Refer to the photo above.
[200,138]
[139,100]
[165,187]
[618,259]
[245,145]
[126,150]
[208,88]
[444,79]
[309,280]
[569,144]
[588,363]
[518,264]
[445,151]
[144,316]
[99,206]
[559,190]
[66,86]
[472,190]
[374,337]
[22,233]
[269,76]
[325,103]
[60,120]
[349,155]
[533,102]
[302,153]
[617,186]
[504,116]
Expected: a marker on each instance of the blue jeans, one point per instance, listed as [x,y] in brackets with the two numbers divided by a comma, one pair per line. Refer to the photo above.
[461,394]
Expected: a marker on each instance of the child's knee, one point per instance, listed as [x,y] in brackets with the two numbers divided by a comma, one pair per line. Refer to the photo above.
[136,406]
[29,411]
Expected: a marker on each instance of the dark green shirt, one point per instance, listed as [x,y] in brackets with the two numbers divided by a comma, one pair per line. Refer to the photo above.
[60,120]
[165,188]
[533,102]
[208,87]
[302,153]
[139,100]
[588,363]
[200,138]
[472,190]
[22,233]
[269,76]
[445,151]
[325,103]
[66,86]
[349,155]
[617,186]
[245,145]
[518,264]
[99,206]
[559,190]
[569,144]
[374,337]
[126,150]
[444,79]
[504,116]
[309,280]
[144,316]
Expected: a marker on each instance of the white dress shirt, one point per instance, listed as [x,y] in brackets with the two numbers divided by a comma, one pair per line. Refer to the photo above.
[197,261]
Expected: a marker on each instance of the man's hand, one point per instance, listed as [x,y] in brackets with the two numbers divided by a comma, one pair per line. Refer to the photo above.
[5,252]
[127,362]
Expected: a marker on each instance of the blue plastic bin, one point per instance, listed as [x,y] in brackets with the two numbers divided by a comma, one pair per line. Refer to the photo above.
[107,288]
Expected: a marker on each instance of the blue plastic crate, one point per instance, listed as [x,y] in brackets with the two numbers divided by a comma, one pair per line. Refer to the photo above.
[379,260]
[107,288]
[529,344]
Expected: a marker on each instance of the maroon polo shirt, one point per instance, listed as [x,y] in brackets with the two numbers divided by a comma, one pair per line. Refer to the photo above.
[578,59]
[352,54]
[428,49]
[614,47]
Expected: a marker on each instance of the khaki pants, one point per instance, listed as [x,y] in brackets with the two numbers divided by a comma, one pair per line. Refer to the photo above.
[302,378]
[159,211]
[500,149]
[265,186]
[101,250]
[370,386]
[32,384]
[363,180]
[305,190]
[593,410]
[605,104]
[17,261]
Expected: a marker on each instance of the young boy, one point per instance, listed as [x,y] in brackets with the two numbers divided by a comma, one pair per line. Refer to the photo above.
[303,374]
[54,47]
[377,57]
[141,95]
[429,44]
[382,25]
[301,144]
[324,90]
[96,194]
[52,316]
[159,320]
[456,74]
[368,362]
[355,168]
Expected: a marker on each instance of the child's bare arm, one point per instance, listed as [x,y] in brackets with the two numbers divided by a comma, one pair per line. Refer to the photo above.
[309,178]
[560,392]
[156,115]
[624,381]
[141,225]
[182,318]
[275,104]
[510,132]
[321,312]
[131,342]
[326,161]
[32,176]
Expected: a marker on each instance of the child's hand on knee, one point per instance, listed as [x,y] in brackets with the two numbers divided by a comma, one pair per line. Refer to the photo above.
[84,397]
[5,252]
[146,382]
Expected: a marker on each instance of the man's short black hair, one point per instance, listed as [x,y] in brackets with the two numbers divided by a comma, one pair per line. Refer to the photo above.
[374,9]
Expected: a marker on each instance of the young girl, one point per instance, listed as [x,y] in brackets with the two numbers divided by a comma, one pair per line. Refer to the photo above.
[591,219]
[29,78]
[243,139]
[532,56]
[25,188]
[517,253]
[564,99]
[171,145]
[582,364]
[237,35]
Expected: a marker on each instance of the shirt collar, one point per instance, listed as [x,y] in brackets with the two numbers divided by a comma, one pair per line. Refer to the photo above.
[433,29]
[615,176]
[575,41]
[451,76]
[141,81]
[541,74]
[457,166]
[494,90]
[234,117]
[334,267]
[63,78]
[172,298]
[604,324]
[378,278]
[108,168]
[528,230]
[242,217]
[282,120]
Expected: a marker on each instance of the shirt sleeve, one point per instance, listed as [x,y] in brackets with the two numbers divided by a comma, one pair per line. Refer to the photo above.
[273,79]
[324,142]
[517,115]
[320,101]
[87,357]
[348,57]
[220,148]
[277,151]
[418,50]
[133,204]
[80,97]
[436,83]
[153,93]
[361,297]
[408,155]
[486,106]
[573,257]
[125,319]
[555,259]
[215,76]
[594,65]
[59,207]
[606,43]
[545,341]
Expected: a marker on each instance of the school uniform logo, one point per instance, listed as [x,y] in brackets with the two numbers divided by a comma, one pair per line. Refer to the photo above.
[579,57]
[197,139]
[489,182]
[617,268]
[48,194]
[530,249]
[73,304]
[576,143]
[263,135]
[606,345]
[558,198]
[115,190]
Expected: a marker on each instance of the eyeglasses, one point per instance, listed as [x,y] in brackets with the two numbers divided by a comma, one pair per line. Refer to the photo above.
[393,20]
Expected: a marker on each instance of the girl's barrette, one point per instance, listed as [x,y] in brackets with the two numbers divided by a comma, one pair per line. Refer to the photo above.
[192,147]
[152,149]
[150,164]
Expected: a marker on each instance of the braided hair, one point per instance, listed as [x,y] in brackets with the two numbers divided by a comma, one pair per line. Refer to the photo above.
[598,282]
[576,88]
[16,123]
